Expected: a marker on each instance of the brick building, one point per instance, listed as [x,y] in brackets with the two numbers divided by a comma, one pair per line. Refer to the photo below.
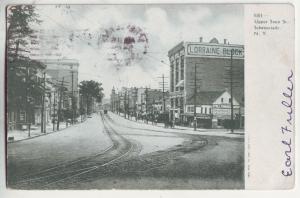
[202,67]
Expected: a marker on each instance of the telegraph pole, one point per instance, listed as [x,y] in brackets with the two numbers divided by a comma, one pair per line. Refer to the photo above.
[146,103]
[27,119]
[195,97]
[163,84]
[128,105]
[118,107]
[43,105]
[231,80]
[231,93]
[59,105]
[54,105]
[124,103]
[72,99]
[195,83]
[164,100]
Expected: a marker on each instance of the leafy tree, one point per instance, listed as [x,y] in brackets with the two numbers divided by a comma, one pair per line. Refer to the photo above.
[23,84]
[89,90]
[19,21]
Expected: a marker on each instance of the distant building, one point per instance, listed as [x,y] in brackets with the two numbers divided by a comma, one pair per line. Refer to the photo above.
[139,101]
[65,72]
[204,66]
[47,47]
[213,109]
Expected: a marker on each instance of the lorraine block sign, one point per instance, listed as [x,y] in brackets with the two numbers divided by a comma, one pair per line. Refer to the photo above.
[214,50]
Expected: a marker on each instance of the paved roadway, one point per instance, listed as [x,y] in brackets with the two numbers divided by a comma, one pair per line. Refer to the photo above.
[105,153]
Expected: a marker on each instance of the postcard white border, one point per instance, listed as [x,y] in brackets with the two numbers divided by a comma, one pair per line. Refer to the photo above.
[153,193]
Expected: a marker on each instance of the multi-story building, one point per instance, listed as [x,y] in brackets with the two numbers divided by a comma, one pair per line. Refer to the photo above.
[47,47]
[203,68]
[64,73]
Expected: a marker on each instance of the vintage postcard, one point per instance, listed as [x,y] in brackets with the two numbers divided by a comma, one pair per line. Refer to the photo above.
[149,96]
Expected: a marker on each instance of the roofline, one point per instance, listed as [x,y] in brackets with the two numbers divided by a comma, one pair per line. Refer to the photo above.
[214,44]
[183,44]
[171,51]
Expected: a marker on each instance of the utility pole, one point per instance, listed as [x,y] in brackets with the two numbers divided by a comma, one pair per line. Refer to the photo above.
[134,101]
[27,118]
[162,86]
[118,104]
[43,105]
[195,84]
[54,106]
[72,99]
[128,105]
[124,103]
[195,97]
[50,103]
[81,107]
[59,105]
[231,93]
[230,73]
[164,100]
[146,103]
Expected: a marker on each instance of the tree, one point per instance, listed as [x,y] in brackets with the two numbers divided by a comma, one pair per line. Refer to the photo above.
[19,21]
[90,90]
[24,87]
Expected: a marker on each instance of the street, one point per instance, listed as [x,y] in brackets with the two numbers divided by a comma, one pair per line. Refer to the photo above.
[107,151]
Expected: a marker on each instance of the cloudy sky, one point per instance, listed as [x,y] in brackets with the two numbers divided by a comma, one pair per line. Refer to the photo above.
[164,26]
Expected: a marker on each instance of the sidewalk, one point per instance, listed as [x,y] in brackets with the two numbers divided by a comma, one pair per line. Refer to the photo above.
[238,133]
[35,131]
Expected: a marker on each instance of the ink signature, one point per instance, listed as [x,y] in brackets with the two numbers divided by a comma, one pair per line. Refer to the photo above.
[287,128]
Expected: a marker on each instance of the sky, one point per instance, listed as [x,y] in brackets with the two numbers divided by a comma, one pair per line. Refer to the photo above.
[155,30]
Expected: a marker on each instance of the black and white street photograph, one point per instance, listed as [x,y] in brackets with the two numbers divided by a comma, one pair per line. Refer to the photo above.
[135,96]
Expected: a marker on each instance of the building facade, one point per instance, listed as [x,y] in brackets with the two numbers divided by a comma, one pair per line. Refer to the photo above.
[139,102]
[200,67]
[64,74]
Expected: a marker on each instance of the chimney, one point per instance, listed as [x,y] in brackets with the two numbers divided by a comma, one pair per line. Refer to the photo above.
[225,41]
[201,39]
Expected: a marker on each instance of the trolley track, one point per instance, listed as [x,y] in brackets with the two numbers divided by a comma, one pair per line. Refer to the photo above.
[120,148]
[121,159]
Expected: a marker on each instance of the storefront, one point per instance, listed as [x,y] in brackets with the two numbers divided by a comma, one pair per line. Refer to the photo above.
[202,67]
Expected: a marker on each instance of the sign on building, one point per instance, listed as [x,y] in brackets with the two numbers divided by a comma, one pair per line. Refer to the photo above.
[214,50]
[224,113]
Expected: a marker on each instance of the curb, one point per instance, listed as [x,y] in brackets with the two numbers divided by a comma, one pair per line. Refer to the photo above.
[29,138]
[237,133]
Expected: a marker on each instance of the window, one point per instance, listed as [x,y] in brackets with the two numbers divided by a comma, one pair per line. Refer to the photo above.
[201,110]
[181,67]
[229,100]
[222,100]
[205,110]
[190,109]
[177,72]
[172,76]
[209,110]
[181,103]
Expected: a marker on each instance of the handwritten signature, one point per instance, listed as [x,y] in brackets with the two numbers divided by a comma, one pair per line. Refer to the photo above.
[287,128]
